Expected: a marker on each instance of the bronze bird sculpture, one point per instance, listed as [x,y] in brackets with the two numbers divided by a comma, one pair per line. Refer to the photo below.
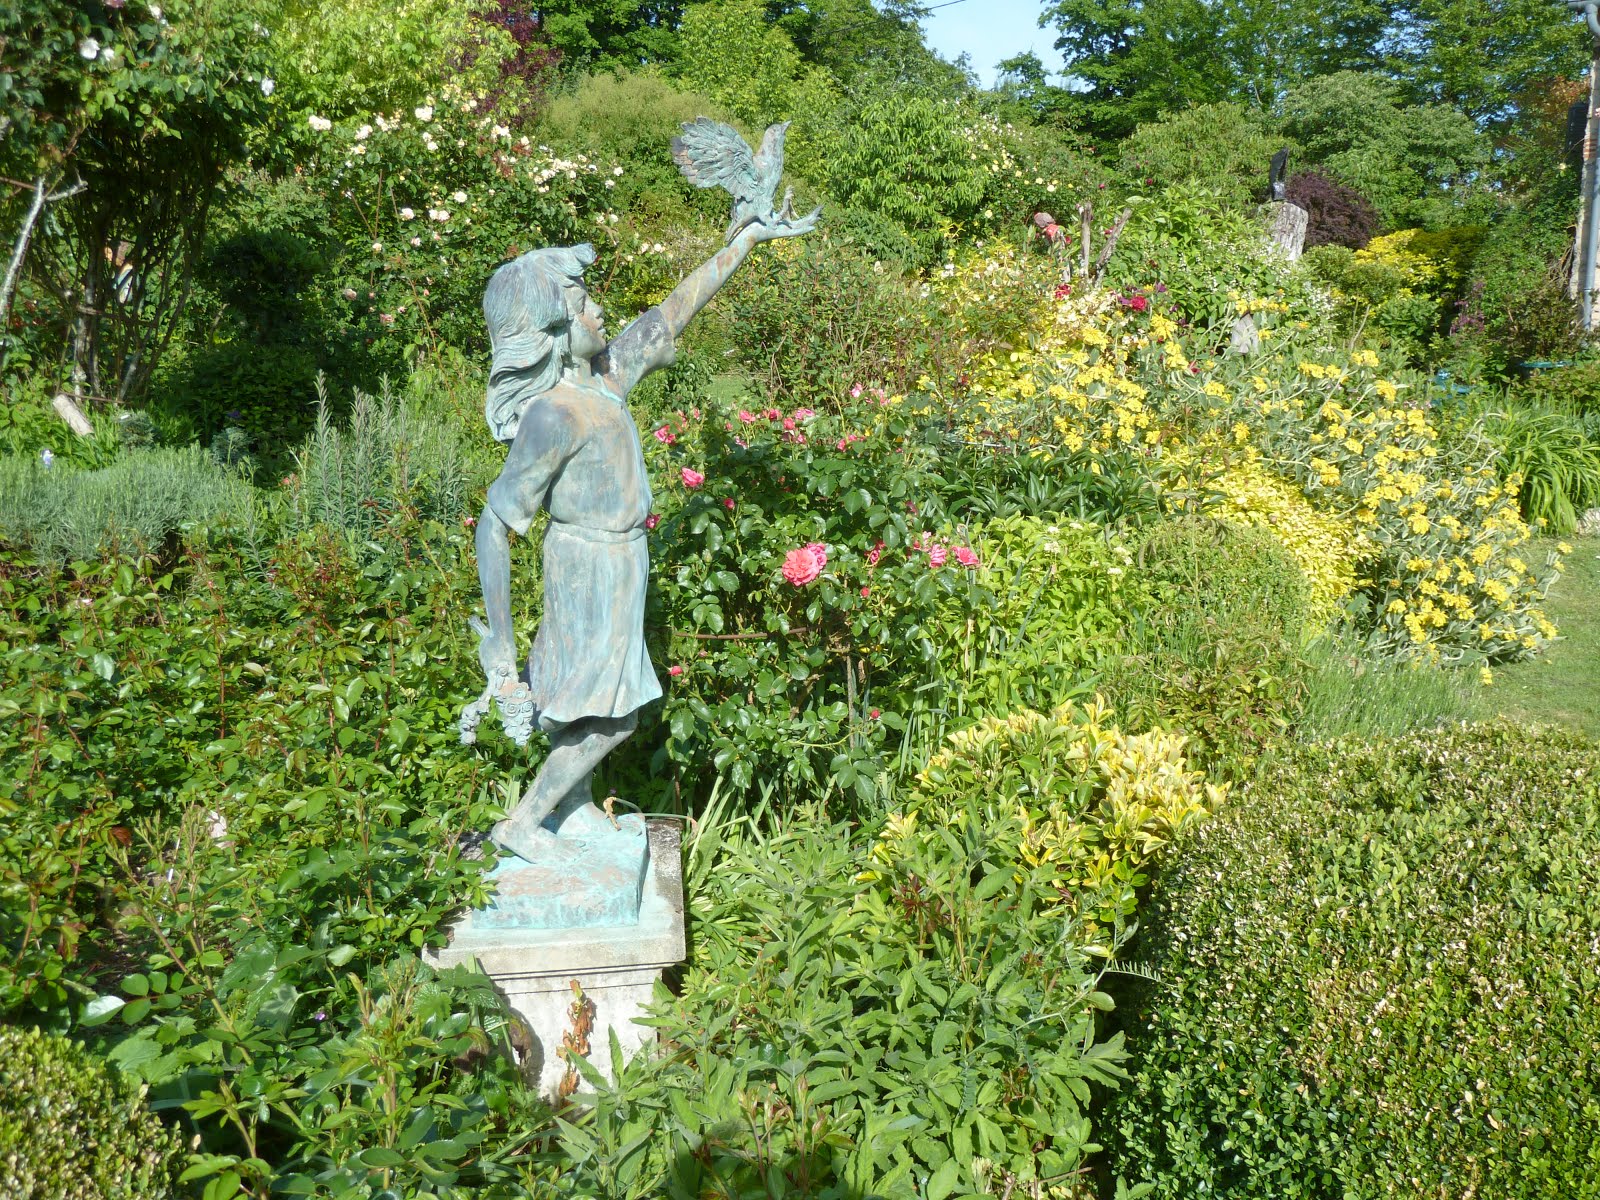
[711,154]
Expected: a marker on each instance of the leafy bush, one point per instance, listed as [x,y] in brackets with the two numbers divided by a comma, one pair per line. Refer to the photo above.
[1554,458]
[925,1028]
[1097,804]
[786,668]
[230,891]
[1221,146]
[808,322]
[907,157]
[1323,545]
[1215,637]
[1374,968]
[1412,161]
[630,117]
[1402,286]
[1336,214]
[71,1127]
[341,59]
[1573,389]
[137,502]
[392,462]
[1055,609]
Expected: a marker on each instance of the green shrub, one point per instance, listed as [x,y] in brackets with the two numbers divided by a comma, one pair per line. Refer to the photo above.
[71,1127]
[391,462]
[810,321]
[631,117]
[925,1029]
[1222,146]
[1376,978]
[1216,628]
[1556,460]
[1573,389]
[136,503]
[1055,609]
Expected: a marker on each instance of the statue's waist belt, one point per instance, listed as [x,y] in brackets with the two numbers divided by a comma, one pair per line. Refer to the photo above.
[586,534]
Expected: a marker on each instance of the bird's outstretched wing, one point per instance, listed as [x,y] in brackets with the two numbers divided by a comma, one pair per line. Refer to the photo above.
[711,154]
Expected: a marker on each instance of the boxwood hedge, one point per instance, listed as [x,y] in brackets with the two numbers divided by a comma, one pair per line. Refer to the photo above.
[1378,972]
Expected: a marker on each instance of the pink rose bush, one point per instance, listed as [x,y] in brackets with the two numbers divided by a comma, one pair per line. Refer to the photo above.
[816,564]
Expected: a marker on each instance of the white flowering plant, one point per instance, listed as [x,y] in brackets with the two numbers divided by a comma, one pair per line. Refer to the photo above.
[427,201]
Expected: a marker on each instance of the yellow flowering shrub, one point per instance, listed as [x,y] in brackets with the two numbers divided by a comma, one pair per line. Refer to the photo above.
[1448,573]
[1095,804]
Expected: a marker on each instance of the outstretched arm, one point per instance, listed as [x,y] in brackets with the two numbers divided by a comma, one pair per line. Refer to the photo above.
[697,288]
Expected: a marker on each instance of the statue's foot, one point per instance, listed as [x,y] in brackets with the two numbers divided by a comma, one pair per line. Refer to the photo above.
[525,837]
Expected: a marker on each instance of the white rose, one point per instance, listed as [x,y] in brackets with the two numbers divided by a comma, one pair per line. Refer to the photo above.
[363,133]
[377,247]
[266,86]
[89,49]
[406,214]
[460,197]
[416,241]
[107,54]
[424,113]
[155,11]
[320,124]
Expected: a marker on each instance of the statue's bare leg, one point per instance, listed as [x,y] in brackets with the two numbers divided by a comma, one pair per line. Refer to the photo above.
[562,783]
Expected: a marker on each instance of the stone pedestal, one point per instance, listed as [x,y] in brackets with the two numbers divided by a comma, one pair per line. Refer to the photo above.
[1288,223]
[616,964]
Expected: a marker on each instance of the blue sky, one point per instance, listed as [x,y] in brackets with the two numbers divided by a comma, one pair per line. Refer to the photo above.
[990,30]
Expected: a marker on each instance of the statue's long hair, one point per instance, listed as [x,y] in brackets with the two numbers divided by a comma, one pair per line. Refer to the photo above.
[525,307]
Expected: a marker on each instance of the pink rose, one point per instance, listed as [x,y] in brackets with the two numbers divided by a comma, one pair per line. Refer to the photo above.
[865,592]
[665,436]
[728,504]
[937,555]
[821,552]
[801,566]
[652,521]
[674,671]
[855,392]
[788,422]
[804,414]
[772,414]
[691,478]
[873,556]
[747,417]
[966,557]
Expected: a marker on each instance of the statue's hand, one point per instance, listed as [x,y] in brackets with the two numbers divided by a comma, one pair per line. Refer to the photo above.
[509,694]
[496,655]
[784,223]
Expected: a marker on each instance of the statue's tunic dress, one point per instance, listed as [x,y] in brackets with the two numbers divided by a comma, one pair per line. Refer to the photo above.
[589,657]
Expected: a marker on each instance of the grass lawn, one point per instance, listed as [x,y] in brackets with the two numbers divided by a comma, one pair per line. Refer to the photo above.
[1561,687]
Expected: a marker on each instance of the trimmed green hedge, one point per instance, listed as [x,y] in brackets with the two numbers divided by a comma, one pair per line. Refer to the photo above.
[1379,969]
[70,1127]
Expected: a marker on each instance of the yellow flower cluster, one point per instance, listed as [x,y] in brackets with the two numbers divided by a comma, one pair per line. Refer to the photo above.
[1439,541]
[1093,804]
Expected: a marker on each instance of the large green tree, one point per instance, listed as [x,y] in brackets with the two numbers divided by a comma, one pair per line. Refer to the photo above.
[1479,55]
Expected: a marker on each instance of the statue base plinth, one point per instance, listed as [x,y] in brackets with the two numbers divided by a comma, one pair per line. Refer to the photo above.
[534,962]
